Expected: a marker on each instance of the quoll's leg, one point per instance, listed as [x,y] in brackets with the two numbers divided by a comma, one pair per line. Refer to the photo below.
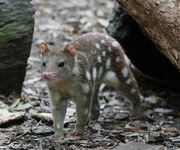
[95,108]
[82,111]
[129,87]
[123,81]
[59,106]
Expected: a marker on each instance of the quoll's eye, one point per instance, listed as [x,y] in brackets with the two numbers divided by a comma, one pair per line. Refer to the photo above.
[61,64]
[44,64]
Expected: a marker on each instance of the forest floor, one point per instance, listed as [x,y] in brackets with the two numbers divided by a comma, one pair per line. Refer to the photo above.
[27,123]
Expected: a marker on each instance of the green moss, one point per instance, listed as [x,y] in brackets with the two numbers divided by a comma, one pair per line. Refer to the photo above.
[15,20]
[13,30]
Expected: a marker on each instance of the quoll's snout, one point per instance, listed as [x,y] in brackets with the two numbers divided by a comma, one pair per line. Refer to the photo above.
[46,75]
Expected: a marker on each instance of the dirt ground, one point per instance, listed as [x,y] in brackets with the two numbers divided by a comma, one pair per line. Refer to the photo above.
[57,22]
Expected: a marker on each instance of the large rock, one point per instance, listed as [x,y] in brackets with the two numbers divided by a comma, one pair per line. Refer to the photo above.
[142,51]
[159,20]
[16,30]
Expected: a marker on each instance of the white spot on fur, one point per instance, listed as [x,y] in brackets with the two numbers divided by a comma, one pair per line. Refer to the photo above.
[108,63]
[88,75]
[125,72]
[102,41]
[117,59]
[133,90]
[110,76]
[127,60]
[97,46]
[102,86]
[100,71]
[109,49]
[107,37]
[115,44]
[94,73]
[104,53]
[85,87]
[99,59]
[128,81]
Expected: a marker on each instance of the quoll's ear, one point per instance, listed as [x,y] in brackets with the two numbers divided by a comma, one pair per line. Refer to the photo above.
[70,49]
[43,48]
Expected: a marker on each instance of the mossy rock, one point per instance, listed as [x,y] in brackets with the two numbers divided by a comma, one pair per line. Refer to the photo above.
[16,30]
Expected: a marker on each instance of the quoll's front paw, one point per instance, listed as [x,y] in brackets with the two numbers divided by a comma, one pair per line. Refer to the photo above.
[58,136]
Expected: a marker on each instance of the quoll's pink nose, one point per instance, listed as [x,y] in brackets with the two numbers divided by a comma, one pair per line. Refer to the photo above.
[48,75]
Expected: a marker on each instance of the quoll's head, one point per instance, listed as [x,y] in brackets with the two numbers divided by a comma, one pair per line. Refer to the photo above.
[57,64]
